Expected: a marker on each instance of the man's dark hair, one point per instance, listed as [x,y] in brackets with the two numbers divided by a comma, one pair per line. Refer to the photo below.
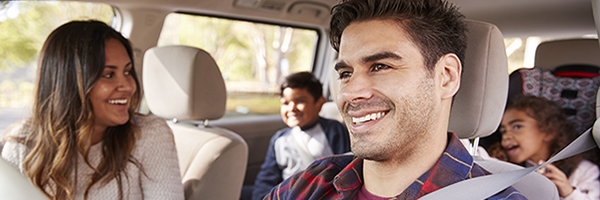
[304,80]
[435,26]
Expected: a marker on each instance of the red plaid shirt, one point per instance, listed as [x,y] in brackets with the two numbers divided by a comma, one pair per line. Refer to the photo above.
[340,177]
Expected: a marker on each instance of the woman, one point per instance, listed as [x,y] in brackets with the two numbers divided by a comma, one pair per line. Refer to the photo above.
[533,129]
[84,139]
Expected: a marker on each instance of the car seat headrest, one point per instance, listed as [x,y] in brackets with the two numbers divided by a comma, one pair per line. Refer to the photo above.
[552,54]
[479,104]
[183,82]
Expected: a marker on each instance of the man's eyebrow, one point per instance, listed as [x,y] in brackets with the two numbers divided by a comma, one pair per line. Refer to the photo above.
[379,56]
[371,58]
[340,65]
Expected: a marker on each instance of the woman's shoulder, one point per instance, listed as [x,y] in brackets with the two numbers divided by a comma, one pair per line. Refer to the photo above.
[151,127]
[147,121]
[15,130]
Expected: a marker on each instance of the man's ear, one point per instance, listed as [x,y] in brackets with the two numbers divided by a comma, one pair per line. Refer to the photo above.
[450,75]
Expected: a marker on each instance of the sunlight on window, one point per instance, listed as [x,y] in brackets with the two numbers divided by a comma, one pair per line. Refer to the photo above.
[25,26]
[253,57]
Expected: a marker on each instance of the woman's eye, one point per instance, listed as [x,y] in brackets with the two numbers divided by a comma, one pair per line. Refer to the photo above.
[127,73]
[108,75]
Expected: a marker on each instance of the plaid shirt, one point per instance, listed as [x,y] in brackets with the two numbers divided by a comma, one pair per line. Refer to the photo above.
[340,177]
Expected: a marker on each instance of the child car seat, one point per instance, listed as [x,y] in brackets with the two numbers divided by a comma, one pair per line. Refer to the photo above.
[572,87]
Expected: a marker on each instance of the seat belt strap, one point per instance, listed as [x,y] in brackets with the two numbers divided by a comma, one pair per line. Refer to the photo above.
[483,187]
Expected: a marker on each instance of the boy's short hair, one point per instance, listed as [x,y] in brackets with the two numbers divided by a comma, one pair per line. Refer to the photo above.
[304,80]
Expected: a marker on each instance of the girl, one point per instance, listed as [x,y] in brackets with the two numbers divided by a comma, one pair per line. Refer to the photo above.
[532,130]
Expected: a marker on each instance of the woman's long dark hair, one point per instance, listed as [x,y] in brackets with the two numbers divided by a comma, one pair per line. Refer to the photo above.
[62,124]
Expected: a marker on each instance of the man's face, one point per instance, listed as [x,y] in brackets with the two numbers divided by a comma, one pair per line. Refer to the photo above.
[299,107]
[387,96]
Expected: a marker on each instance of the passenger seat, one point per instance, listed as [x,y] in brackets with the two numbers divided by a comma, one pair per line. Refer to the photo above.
[479,104]
[184,84]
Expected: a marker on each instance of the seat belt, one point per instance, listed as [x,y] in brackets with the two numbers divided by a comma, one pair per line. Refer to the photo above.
[483,187]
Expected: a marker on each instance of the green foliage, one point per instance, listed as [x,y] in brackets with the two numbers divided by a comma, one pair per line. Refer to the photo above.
[248,54]
[26,24]
[244,51]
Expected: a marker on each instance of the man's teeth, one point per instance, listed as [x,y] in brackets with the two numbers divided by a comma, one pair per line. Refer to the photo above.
[117,101]
[369,117]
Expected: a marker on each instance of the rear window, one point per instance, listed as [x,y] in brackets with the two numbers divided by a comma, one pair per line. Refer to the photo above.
[521,50]
[253,57]
[25,26]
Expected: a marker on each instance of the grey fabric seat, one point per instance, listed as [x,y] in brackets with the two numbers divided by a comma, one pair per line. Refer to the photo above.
[479,105]
[184,84]
[13,185]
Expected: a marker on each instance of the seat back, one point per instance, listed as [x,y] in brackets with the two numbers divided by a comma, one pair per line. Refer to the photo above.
[184,84]
[551,54]
[566,72]
[479,104]
[13,185]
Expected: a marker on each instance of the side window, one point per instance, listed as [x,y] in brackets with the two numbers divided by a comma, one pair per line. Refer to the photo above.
[253,57]
[25,26]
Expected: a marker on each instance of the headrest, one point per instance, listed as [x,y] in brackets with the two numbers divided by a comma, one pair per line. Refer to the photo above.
[479,104]
[552,54]
[183,82]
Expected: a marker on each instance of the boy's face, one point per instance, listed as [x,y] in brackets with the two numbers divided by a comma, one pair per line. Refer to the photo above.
[299,107]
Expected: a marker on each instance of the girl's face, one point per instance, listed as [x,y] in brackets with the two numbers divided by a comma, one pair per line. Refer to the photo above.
[111,94]
[521,138]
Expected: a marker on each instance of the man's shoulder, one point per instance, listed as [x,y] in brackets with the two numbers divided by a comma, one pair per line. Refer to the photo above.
[316,180]
[327,165]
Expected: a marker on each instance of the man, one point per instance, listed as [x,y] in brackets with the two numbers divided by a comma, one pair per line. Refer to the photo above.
[308,138]
[399,66]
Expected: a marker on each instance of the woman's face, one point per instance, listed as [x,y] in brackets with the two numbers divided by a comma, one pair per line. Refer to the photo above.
[522,139]
[111,95]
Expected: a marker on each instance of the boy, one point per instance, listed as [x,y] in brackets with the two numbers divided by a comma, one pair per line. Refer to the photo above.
[307,138]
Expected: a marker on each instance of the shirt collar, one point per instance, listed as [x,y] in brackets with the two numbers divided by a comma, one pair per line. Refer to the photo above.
[311,125]
[454,165]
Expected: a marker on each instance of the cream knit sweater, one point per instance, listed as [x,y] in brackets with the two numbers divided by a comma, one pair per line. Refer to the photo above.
[155,151]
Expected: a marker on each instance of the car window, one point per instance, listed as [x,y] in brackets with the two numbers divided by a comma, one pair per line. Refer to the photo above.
[25,26]
[253,57]
[521,50]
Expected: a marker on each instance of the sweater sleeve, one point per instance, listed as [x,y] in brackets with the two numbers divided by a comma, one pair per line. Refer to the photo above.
[270,173]
[14,152]
[586,183]
[160,163]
